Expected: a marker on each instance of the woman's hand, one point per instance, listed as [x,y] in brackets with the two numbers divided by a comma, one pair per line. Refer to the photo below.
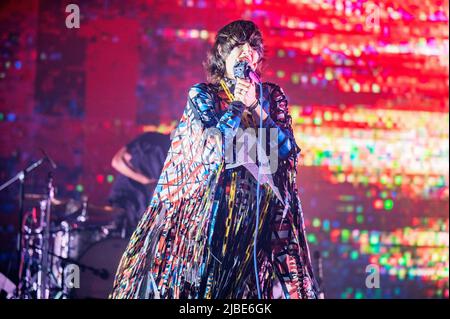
[245,92]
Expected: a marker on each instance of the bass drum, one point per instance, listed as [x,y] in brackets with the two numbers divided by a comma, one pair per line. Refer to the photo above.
[104,256]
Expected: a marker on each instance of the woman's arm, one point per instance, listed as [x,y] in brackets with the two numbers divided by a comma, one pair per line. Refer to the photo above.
[121,162]
[281,120]
[203,103]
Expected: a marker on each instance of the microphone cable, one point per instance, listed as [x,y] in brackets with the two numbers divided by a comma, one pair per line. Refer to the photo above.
[240,70]
[255,239]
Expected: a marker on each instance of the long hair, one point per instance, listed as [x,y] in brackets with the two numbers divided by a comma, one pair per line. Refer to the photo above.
[233,34]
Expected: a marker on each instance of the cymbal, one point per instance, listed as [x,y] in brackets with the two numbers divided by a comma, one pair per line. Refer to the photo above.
[104,210]
[65,209]
[100,214]
[36,198]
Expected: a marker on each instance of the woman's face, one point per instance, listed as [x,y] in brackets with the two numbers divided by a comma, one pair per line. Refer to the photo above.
[242,52]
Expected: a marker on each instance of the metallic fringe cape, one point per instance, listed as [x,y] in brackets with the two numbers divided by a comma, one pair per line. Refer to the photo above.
[195,239]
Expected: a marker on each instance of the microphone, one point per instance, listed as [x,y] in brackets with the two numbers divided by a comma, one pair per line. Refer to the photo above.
[52,163]
[243,70]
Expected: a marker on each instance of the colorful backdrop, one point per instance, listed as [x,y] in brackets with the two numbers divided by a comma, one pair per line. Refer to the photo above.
[368,89]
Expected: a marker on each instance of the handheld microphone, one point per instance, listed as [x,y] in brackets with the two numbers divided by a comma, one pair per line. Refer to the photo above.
[243,70]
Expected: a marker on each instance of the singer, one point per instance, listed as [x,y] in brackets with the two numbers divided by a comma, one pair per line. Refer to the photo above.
[196,238]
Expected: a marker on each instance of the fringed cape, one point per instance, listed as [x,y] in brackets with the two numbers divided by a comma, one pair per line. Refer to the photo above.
[180,248]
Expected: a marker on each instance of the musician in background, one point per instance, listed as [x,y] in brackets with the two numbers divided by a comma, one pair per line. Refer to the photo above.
[139,165]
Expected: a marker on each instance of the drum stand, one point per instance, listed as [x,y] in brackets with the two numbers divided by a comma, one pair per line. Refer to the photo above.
[44,252]
[49,252]
[36,275]
[43,285]
[35,252]
[21,178]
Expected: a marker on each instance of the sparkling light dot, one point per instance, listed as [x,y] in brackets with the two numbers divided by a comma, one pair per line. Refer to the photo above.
[388,204]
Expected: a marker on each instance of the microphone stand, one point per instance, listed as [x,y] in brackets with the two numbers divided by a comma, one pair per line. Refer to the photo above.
[43,285]
[21,176]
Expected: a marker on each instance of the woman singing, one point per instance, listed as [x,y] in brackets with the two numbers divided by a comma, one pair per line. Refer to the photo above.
[197,237]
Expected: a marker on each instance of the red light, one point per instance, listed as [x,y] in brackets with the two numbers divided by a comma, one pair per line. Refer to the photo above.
[378,204]
[100,179]
[334,235]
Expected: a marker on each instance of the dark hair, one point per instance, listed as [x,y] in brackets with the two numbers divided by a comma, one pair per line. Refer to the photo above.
[233,34]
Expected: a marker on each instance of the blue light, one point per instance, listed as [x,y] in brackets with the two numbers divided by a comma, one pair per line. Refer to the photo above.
[11,117]
[55,56]
[18,65]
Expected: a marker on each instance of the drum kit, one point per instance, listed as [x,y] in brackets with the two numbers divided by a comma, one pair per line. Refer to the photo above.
[81,236]
[67,248]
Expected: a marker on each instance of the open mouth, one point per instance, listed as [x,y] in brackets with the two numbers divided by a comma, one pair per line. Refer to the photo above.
[245,59]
